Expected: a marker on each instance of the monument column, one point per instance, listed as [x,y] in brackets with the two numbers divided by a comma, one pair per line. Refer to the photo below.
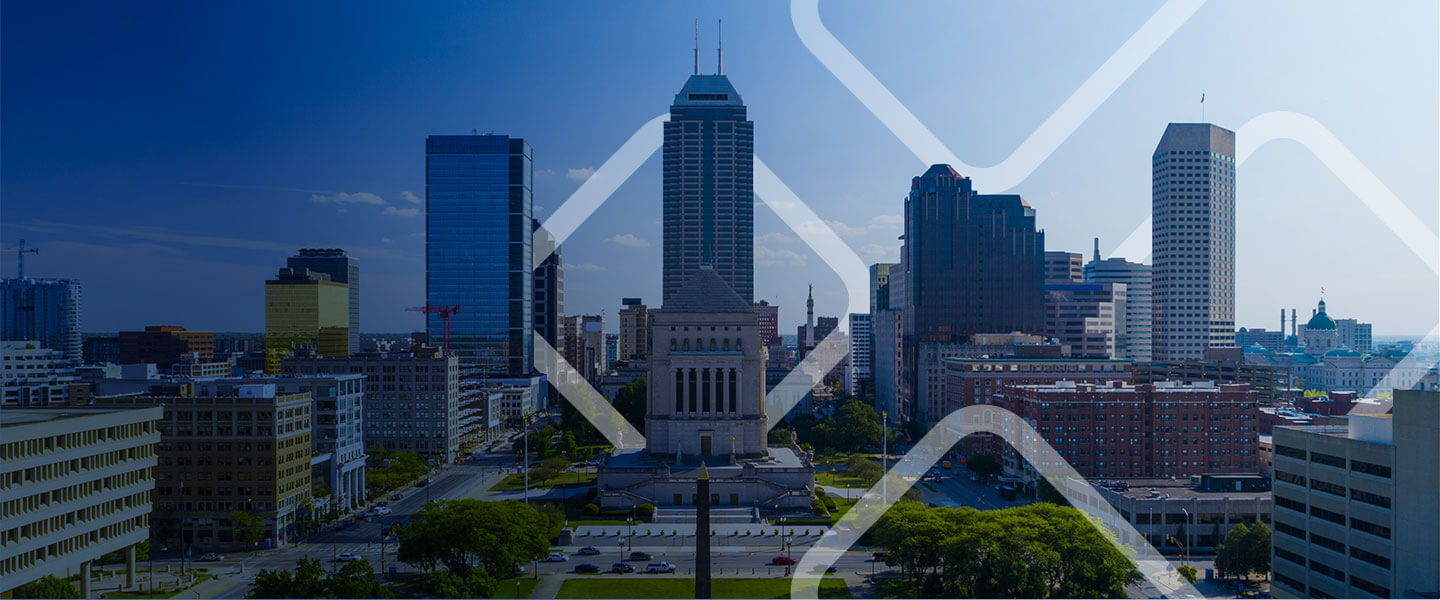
[702,533]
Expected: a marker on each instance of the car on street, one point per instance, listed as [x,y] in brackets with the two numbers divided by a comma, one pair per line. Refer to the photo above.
[211,557]
[557,557]
[588,551]
[782,560]
[381,510]
[621,567]
[346,557]
[422,482]
[877,556]
[586,568]
[640,556]
[660,567]
[396,496]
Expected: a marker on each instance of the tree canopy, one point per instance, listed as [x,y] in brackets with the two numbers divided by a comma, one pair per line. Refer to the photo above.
[1035,551]
[355,580]
[1245,550]
[464,534]
[48,586]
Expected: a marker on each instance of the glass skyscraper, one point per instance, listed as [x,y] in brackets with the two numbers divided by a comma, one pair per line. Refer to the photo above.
[478,249]
[341,269]
[45,311]
[709,196]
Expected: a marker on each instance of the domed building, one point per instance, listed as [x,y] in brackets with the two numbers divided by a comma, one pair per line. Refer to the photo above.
[1321,335]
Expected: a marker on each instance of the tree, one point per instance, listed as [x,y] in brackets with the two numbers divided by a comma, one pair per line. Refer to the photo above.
[48,586]
[864,468]
[357,580]
[247,528]
[855,426]
[549,469]
[568,447]
[1245,551]
[465,534]
[779,437]
[307,581]
[983,465]
[475,584]
[910,534]
[1227,553]
[631,402]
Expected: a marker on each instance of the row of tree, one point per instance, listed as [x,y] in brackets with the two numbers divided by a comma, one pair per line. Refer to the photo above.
[1245,551]
[1035,551]
[354,580]
[855,427]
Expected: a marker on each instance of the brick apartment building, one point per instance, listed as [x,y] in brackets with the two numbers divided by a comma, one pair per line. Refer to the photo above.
[1116,430]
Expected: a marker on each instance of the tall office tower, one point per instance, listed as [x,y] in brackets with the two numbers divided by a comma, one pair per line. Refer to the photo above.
[768,316]
[478,249]
[1064,267]
[709,199]
[45,311]
[1089,318]
[592,338]
[880,286]
[634,330]
[341,269]
[304,309]
[973,263]
[1356,509]
[549,292]
[1193,240]
[1138,300]
[861,354]
[164,345]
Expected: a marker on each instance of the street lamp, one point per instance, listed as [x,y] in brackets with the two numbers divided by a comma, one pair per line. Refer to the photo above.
[1191,542]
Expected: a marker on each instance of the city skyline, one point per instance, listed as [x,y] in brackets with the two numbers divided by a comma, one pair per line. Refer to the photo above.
[859,188]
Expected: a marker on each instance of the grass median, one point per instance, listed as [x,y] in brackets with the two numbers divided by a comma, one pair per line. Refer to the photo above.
[606,587]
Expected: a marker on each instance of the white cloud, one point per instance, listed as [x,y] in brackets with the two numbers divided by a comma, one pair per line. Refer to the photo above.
[767,257]
[584,267]
[627,240]
[412,198]
[774,238]
[344,198]
[386,240]
[534,208]
[580,174]
[895,222]
[401,212]
[878,225]
[878,253]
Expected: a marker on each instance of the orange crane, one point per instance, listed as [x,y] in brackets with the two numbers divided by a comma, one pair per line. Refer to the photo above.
[445,312]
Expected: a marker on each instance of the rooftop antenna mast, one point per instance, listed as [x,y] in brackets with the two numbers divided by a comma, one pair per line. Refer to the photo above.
[697,46]
[720,47]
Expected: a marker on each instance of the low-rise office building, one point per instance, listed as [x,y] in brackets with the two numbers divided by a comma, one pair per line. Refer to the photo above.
[1357,506]
[246,451]
[1197,511]
[34,376]
[75,484]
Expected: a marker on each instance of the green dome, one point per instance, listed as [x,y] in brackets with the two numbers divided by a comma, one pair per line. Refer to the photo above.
[1320,320]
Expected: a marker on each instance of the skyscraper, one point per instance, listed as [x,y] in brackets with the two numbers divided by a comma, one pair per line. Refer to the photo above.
[341,269]
[1063,267]
[305,309]
[1193,240]
[709,199]
[549,292]
[478,232]
[880,286]
[44,311]
[861,354]
[1138,300]
[972,263]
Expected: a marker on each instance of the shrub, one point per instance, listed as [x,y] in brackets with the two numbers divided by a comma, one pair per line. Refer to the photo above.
[818,507]
[829,503]
[1188,572]
[645,510]
[820,491]
[590,509]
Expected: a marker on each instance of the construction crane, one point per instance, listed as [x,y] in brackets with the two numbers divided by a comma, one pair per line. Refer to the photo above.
[20,258]
[445,312]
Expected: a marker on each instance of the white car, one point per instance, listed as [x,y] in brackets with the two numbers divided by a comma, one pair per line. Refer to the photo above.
[381,510]
[346,557]
[557,557]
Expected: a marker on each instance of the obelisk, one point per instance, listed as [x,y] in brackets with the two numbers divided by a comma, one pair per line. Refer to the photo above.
[702,533]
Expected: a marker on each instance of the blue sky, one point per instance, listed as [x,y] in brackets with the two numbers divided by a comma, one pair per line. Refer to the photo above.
[171,155]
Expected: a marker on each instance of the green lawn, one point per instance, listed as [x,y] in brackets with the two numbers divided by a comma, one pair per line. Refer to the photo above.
[160,593]
[841,479]
[506,587]
[778,587]
[570,479]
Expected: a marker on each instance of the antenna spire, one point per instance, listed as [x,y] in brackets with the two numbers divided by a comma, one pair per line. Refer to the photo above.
[697,46]
[720,47]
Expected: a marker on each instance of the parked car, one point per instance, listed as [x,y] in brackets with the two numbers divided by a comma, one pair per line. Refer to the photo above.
[381,510]
[660,567]
[621,567]
[346,557]
[422,482]
[782,560]
[640,556]
[395,496]
[588,551]
[211,557]
[557,557]
[878,556]
[586,568]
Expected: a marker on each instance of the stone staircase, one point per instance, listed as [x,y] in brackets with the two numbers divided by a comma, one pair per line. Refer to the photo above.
[718,515]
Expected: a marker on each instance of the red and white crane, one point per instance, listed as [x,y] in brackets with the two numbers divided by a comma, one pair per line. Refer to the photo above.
[445,312]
